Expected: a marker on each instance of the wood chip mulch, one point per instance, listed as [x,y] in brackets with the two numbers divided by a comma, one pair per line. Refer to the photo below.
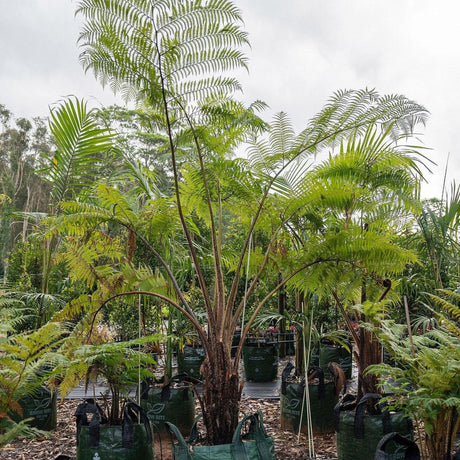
[62,439]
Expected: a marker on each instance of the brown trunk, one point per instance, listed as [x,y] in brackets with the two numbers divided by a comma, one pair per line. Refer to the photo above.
[281,310]
[221,395]
[369,353]
[439,442]
[299,348]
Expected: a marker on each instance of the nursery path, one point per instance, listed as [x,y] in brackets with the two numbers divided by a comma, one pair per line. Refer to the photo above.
[252,390]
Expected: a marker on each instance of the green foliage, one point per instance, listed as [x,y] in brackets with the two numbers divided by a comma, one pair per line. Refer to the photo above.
[176,58]
[121,364]
[80,144]
[426,383]
[21,184]
[168,51]
[25,362]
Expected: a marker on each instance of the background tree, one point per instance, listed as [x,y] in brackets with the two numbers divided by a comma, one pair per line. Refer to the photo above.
[21,143]
[436,240]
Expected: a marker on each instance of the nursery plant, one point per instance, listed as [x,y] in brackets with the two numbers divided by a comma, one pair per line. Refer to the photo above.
[371,189]
[122,365]
[175,59]
[25,362]
[426,382]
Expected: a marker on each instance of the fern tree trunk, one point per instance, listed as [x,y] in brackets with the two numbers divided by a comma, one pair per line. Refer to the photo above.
[369,353]
[221,395]
[440,438]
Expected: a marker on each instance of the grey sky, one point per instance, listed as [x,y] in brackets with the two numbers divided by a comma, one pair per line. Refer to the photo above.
[302,51]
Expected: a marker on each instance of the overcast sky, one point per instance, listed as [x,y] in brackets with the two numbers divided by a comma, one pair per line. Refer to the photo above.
[302,51]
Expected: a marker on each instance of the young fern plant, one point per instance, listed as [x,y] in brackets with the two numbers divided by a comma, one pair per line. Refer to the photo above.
[26,360]
[426,382]
[120,364]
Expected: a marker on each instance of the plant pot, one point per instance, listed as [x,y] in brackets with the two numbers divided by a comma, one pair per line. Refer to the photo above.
[323,398]
[189,360]
[257,445]
[411,450]
[289,337]
[260,361]
[329,352]
[41,406]
[314,356]
[359,433]
[99,441]
[163,403]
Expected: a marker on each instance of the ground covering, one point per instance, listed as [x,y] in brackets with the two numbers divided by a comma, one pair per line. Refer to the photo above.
[62,439]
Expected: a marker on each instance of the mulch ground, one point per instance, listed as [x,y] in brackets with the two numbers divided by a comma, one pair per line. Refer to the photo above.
[62,439]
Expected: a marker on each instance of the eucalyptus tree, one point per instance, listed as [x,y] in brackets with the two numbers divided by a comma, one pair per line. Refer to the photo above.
[21,186]
[177,58]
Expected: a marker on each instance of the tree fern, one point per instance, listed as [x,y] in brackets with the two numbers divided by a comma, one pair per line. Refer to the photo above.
[25,360]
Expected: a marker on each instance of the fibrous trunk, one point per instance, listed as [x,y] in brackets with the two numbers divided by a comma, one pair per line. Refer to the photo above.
[221,395]
[369,352]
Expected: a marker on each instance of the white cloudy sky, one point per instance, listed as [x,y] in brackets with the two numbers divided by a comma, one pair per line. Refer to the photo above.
[302,51]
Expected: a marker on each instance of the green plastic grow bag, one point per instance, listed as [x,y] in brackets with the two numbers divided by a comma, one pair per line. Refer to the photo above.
[255,445]
[129,441]
[41,406]
[165,404]
[323,399]
[260,361]
[335,353]
[189,360]
[359,433]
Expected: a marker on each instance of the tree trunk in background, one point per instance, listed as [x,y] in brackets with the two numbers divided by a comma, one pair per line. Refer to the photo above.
[299,350]
[281,310]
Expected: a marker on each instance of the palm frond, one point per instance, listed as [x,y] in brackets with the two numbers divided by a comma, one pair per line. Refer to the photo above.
[80,144]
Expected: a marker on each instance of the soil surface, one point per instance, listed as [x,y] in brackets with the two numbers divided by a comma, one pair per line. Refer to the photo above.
[62,439]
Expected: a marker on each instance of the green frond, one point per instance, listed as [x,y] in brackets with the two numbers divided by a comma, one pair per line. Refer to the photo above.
[9,431]
[351,111]
[171,46]
[80,144]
